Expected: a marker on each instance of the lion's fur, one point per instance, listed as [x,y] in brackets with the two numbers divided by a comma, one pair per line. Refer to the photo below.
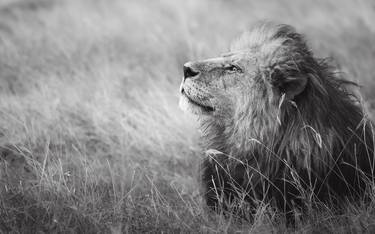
[277,148]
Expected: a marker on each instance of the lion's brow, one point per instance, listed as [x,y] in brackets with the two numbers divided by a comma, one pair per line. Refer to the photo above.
[234,53]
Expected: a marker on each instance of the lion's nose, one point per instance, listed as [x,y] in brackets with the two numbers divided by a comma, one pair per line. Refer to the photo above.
[189,71]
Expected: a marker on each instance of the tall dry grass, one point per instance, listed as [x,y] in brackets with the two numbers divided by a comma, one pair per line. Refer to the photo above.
[93,140]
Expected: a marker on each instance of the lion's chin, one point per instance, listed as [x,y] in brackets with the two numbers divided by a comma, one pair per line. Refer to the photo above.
[188,105]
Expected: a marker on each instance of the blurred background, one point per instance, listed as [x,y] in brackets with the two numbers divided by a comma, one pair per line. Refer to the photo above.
[93,140]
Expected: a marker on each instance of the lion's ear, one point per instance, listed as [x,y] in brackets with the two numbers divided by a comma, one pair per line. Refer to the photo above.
[292,86]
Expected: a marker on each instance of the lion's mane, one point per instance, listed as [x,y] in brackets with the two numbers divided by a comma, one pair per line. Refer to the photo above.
[317,146]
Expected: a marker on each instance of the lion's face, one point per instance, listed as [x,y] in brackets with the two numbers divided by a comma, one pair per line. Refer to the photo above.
[216,86]
[266,67]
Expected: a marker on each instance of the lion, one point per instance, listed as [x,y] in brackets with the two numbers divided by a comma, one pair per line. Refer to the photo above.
[280,126]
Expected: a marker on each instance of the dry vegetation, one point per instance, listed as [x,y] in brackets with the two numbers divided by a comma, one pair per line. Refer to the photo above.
[93,140]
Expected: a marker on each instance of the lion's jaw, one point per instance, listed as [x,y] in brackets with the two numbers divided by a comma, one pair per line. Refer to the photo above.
[195,99]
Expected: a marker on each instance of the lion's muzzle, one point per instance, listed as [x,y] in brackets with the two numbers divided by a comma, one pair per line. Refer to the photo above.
[193,96]
[189,72]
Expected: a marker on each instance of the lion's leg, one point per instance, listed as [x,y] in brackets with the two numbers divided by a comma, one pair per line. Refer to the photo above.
[213,183]
[220,182]
[223,183]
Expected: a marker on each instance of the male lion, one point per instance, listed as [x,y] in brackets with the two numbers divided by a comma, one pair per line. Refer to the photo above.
[280,126]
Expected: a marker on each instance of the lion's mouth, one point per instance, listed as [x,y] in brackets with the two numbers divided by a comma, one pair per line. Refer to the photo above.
[204,107]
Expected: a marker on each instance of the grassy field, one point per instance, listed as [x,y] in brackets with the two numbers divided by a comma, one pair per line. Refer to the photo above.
[93,140]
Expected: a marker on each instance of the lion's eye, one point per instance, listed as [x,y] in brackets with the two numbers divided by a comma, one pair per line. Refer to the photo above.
[232,68]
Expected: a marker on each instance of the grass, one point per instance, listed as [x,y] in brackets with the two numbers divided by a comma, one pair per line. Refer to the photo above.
[93,140]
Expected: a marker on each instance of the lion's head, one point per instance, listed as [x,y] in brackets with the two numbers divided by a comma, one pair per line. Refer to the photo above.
[243,90]
[268,61]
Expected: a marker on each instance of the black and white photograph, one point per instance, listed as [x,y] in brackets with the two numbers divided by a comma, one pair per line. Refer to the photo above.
[187,116]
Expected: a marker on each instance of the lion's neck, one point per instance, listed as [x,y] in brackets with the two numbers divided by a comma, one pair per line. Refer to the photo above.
[274,140]
[240,138]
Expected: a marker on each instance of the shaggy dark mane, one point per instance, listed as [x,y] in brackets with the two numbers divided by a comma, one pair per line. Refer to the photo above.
[317,145]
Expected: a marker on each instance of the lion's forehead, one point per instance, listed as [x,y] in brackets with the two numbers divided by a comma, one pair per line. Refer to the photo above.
[246,53]
[249,56]
[244,56]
